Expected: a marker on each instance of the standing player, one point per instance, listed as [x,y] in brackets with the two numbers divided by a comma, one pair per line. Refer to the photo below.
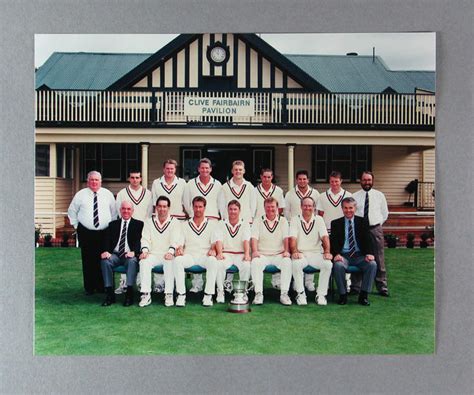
[140,197]
[265,190]
[307,234]
[159,242]
[196,247]
[171,186]
[269,244]
[372,206]
[329,205]
[293,208]
[232,247]
[237,188]
[209,188]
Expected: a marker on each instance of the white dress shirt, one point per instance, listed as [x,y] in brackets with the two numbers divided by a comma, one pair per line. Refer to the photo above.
[378,209]
[81,209]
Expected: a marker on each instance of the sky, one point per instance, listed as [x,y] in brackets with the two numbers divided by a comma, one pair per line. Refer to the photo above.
[400,51]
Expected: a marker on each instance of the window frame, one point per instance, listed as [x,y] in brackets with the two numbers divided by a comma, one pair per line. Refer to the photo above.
[353,162]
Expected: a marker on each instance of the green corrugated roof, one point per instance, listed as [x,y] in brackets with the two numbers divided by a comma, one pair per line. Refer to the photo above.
[360,74]
[338,73]
[82,70]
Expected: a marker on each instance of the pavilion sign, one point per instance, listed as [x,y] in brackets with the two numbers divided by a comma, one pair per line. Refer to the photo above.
[219,106]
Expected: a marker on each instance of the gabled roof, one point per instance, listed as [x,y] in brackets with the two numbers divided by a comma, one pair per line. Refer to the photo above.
[322,73]
[360,74]
[80,70]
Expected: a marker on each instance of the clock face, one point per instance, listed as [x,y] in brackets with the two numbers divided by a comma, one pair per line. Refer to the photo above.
[218,54]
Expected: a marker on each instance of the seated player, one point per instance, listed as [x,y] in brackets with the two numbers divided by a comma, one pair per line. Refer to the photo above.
[307,233]
[159,241]
[232,247]
[269,242]
[196,247]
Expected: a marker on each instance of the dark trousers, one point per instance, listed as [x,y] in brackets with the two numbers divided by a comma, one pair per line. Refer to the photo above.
[90,242]
[114,261]
[378,243]
[368,269]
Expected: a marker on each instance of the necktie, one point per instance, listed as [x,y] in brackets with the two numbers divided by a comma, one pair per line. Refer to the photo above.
[96,211]
[123,235]
[350,232]
[366,207]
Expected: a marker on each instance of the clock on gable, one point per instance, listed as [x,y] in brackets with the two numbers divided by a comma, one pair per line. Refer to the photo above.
[218,54]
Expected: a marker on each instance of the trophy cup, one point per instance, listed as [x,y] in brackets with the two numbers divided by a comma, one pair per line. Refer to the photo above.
[240,302]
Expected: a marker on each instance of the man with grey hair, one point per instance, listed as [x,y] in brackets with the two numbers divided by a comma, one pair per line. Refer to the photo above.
[90,212]
[351,246]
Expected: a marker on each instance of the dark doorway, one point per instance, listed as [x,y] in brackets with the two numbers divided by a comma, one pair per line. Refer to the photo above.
[222,158]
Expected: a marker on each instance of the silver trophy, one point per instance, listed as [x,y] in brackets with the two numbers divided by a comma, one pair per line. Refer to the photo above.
[240,302]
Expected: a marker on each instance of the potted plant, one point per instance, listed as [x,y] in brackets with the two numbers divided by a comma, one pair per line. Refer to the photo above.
[65,240]
[47,240]
[37,235]
[410,240]
[391,240]
[424,240]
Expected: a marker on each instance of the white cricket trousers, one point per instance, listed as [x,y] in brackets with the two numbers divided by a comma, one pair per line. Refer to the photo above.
[317,261]
[258,266]
[226,263]
[146,265]
[185,261]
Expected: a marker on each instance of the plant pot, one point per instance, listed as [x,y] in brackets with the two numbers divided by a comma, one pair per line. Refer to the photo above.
[391,243]
[410,244]
[424,244]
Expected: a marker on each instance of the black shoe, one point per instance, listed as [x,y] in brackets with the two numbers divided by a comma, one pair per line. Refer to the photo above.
[384,292]
[128,297]
[109,297]
[342,299]
[363,299]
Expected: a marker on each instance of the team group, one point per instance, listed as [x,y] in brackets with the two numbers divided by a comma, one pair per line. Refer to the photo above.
[178,225]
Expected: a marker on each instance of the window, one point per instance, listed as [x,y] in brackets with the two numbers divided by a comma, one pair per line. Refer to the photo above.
[42,161]
[64,158]
[350,160]
[113,161]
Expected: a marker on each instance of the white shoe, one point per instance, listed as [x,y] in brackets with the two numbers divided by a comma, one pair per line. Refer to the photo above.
[220,297]
[310,287]
[158,288]
[122,286]
[321,300]
[207,300]
[145,300]
[181,300]
[285,299]
[301,299]
[195,289]
[169,300]
[258,298]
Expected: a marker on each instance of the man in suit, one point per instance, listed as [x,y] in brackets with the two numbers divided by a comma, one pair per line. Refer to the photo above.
[121,247]
[90,212]
[351,246]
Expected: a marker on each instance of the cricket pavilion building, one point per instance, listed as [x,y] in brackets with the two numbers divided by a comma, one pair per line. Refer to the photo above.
[228,97]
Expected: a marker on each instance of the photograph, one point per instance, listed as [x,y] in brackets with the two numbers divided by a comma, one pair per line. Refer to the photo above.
[234,194]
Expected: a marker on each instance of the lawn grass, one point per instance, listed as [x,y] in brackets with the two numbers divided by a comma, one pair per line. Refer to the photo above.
[70,323]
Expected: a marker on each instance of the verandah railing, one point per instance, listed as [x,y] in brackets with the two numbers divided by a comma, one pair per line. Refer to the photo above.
[279,108]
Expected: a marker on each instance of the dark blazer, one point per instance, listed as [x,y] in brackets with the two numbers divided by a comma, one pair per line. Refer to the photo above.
[362,235]
[134,235]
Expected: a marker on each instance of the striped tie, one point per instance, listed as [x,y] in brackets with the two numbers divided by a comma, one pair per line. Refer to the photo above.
[352,248]
[366,207]
[123,235]
[96,211]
